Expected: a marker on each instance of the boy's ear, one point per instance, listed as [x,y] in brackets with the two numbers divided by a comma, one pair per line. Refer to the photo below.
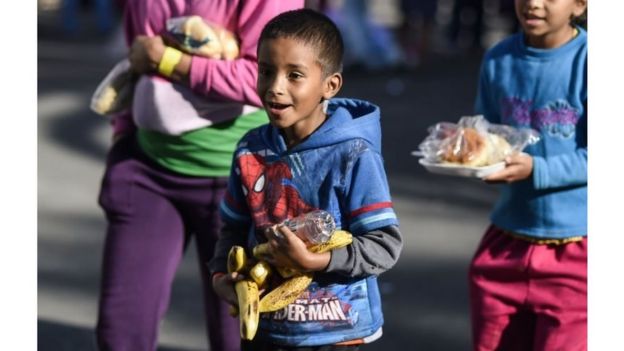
[332,83]
[581,6]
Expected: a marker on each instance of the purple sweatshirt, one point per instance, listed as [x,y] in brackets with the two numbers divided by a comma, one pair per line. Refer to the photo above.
[218,79]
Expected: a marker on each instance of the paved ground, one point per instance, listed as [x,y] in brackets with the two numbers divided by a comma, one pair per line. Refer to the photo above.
[442,218]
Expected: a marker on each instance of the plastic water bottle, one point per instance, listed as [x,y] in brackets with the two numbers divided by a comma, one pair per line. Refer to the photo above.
[315,227]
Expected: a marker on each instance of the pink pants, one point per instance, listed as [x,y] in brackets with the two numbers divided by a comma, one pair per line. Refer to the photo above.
[525,296]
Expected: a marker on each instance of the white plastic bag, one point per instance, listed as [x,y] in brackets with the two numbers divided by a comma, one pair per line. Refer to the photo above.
[114,93]
[191,34]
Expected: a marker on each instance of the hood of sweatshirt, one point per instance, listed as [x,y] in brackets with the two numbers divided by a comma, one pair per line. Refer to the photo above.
[346,119]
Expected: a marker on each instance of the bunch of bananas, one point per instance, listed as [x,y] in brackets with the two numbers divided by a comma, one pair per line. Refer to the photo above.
[294,283]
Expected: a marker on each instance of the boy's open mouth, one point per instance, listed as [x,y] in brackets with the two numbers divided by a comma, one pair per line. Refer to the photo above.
[276,106]
[529,17]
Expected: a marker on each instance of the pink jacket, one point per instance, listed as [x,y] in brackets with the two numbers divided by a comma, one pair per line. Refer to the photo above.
[223,80]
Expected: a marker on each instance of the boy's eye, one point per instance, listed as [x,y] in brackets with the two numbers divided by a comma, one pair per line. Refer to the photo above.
[295,75]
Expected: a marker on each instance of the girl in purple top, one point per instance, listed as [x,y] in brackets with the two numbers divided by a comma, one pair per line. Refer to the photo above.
[166,173]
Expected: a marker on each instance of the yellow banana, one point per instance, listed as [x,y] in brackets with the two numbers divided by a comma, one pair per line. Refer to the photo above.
[339,239]
[248,303]
[260,272]
[285,294]
[237,259]
[296,284]
[261,250]
[287,272]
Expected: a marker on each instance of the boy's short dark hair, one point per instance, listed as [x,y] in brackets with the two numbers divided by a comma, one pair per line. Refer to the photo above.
[312,28]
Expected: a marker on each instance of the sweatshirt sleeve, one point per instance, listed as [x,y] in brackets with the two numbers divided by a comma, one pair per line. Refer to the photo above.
[235,80]
[370,218]
[367,202]
[370,254]
[566,169]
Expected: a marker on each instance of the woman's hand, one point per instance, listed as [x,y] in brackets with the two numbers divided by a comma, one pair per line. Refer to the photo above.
[146,53]
[286,249]
[223,285]
[517,167]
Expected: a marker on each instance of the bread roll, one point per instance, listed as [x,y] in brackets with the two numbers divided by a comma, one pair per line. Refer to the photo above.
[200,32]
[470,148]
[114,96]
[229,45]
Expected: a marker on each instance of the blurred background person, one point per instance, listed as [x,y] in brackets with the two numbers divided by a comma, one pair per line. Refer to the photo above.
[416,29]
[469,14]
[167,170]
[103,9]
[368,45]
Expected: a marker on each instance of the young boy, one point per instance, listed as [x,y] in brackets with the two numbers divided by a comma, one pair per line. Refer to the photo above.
[316,153]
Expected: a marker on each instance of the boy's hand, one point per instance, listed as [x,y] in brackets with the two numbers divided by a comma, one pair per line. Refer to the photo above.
[146,53]
[288,250]
[223,285]
[518,166]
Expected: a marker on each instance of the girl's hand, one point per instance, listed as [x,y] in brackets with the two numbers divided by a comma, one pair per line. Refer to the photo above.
[223,285]
[288,250]
[146,53]
[518,166]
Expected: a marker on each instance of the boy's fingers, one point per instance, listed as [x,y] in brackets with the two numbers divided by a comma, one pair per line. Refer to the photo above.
[285,231]
[272,233]
[235,276]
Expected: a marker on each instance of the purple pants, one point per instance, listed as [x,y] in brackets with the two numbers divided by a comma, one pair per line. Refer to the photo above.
[152,214]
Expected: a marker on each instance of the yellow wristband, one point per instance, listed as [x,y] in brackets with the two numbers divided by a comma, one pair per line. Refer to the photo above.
[171,57]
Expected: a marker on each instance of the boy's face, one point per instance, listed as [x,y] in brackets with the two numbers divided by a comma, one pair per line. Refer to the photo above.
[546,23]
[291,86]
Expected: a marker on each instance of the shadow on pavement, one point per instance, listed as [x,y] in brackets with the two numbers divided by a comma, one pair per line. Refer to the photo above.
[55,336]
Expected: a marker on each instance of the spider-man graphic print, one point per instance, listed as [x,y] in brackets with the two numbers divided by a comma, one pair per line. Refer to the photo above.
[269,191]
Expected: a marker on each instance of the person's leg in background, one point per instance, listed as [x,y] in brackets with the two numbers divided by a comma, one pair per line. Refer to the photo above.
[417,29]
[201,209]
[498,289]
[353,24]
[559,296]
[104,15]
[143,247]
[527,296]
[69,16]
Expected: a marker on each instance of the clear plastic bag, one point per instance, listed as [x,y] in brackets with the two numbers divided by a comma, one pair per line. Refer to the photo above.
[474,142]
[114,93]
[191,34]
[196,36]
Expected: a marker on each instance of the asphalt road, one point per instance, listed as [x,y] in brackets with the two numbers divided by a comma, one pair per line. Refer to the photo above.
[442,218]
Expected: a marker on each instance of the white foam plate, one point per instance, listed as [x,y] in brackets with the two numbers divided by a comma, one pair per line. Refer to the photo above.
[461,171]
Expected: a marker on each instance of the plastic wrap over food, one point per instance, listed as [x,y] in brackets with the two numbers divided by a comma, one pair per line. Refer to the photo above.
[198,37]
[114,93]
[474,142]
[191,34]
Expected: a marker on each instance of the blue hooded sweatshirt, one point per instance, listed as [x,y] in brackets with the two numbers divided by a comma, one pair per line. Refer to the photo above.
[338,168]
